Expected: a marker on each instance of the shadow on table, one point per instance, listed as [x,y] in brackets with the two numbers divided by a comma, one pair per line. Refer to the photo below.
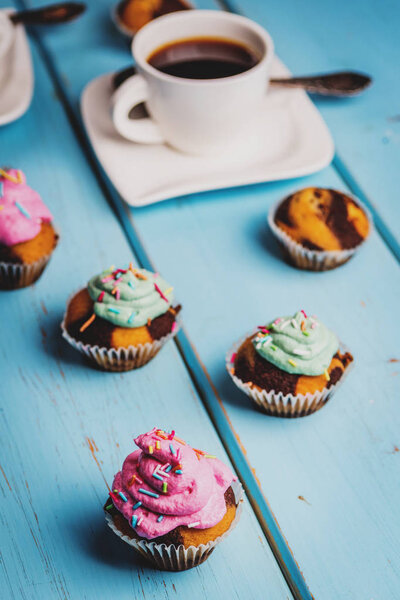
[231,394]
[59,349]
[94,537]
[266,240]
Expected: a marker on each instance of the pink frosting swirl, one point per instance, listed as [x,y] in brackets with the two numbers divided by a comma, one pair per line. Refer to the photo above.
[167,483]
[22,211]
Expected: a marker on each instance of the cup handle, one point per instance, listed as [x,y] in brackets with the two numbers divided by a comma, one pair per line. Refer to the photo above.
[129,94]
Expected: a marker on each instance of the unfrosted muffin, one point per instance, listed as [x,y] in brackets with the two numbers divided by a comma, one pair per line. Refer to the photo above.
[122,318]
[27,236]
[171,502]
[320,228]
[291,366]
[132,15]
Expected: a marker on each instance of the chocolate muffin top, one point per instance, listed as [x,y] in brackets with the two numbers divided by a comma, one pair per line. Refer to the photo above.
[322,219]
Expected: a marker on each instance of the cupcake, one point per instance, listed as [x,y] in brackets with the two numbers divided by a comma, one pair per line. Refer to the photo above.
[319,229]
[172,503]
[27,236]
[290,367]
[131,15]
[122,318]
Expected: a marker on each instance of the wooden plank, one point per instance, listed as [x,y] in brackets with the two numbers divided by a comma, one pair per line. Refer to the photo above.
[314,38]
[54,540]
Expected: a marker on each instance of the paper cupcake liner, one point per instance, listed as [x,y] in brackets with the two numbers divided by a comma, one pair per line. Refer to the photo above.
[314,260]
[178,558]
[120,359]
[277,404]
[15,276]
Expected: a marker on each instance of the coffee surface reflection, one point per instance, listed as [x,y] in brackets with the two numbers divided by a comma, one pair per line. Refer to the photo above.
[203,58]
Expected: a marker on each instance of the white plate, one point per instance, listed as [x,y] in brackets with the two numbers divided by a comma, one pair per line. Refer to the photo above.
[292,140]
[16,93]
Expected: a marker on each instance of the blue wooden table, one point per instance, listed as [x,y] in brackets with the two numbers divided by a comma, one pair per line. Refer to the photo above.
[322,511]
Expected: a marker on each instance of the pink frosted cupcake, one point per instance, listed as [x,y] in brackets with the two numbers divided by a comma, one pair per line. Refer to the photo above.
[27,236]
[173,503]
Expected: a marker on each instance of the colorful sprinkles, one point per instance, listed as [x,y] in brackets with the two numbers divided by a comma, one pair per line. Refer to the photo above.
[22,210]
[148,493]
[87,323]
[160,292]
[131,317]
[195,524]
[4,174]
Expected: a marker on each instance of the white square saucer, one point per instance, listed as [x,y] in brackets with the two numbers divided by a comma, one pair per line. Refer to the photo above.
[16,93]
[292,141]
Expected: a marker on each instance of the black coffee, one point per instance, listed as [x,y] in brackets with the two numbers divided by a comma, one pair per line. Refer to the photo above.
[203,58]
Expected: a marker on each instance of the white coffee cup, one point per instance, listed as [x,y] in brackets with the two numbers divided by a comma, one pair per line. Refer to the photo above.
[197,116]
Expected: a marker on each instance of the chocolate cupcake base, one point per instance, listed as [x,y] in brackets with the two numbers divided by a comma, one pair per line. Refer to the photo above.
[306,258]
[281,404]
[171,557]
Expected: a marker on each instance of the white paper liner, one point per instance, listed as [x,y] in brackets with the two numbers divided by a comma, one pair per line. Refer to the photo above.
[120,359]
[14,276]
[314,260]
[179,558]
[277,404]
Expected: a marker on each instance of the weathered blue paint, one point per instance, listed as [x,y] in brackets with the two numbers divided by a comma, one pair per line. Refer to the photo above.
[329,479]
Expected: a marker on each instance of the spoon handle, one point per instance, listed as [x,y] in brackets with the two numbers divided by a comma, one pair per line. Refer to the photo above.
[345,83]
[49,15]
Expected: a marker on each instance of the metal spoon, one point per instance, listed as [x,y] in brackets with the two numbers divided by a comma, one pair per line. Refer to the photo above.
[345,83]
[342,84]
[49,15]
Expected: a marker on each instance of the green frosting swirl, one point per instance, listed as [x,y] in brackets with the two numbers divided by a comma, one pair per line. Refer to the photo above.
[297,344]
[136,299]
